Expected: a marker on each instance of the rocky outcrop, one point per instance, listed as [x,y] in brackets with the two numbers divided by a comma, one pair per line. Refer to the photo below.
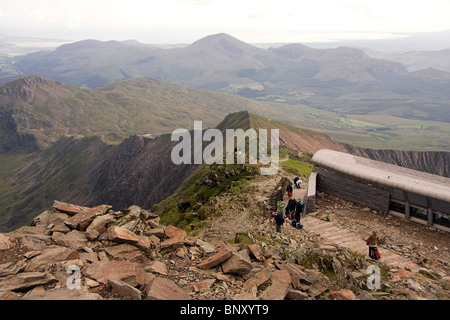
[125,259]
[434,162]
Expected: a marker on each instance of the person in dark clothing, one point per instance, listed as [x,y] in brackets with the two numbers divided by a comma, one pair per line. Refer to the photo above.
[289,191]
[298,209]
[279,220]
[290,209]
[297,183]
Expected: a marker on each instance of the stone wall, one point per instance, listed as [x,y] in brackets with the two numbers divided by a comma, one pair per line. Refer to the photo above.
[353,189]
[278,192]
[310,197]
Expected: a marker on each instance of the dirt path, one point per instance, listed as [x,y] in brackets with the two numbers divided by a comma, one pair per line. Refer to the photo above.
[246,210]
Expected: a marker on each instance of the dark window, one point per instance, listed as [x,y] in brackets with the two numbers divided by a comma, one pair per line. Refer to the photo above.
[419,213]
[441,219]
[397,207]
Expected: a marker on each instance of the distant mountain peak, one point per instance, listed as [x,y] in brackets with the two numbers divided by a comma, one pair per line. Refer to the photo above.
[25,87]
[222,41]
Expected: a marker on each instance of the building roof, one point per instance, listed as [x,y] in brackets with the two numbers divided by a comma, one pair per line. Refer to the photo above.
[414,181]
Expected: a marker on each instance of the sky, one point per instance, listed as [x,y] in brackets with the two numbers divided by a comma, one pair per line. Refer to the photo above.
[254,21]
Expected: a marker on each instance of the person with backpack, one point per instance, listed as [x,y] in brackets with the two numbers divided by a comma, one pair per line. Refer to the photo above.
[372,242]
[298,213]
[297,183]
[290,208]
[279,220]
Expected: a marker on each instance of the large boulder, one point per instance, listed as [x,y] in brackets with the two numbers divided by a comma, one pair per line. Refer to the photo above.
[97,227]
[5,242]
[215,260]
[165,289]
[25,281]
[174,232]
[124,252]
[82,220]
[119,234]
[74,239]
[281,282]
[65,294]
[238,264]
[124,290]
[126,271]
[51,255]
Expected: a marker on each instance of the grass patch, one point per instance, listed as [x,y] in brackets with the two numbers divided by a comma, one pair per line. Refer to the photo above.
[194,202]
[241,238]
[297,167]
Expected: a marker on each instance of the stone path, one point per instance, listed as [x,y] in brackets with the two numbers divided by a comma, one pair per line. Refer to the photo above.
[355,242]
[348,239]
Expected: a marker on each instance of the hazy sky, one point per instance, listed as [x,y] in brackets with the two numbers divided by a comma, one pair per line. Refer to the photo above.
[184,21]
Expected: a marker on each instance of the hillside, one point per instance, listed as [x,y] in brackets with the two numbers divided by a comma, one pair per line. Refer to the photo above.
[34,112]
[342,79]
[139,170]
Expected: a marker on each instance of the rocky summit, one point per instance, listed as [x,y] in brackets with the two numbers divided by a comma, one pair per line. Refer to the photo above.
[79,253]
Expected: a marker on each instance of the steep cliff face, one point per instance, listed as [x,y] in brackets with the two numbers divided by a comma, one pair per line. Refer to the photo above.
[434,162]
[35,180]
[139,170]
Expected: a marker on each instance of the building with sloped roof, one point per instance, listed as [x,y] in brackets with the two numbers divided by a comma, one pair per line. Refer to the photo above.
[412,194]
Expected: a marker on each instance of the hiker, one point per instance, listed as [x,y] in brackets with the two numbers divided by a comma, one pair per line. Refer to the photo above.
[289,191]
[279,220]
[297,183]
[299,209]
[372,242]
[280,206]
[290,208]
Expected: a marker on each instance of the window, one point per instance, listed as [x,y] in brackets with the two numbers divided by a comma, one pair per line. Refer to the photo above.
[419,213]
[397,207]
[441,219]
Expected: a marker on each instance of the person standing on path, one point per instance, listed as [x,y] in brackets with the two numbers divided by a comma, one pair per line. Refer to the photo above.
[280,206]
[299,209]
[372,242]
[289,190]
[279,220]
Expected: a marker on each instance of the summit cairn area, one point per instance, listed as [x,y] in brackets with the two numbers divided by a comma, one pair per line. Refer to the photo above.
[73,252]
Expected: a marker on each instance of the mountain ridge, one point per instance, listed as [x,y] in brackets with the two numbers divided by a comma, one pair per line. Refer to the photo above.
[37,111]
[139,170]
[332,79]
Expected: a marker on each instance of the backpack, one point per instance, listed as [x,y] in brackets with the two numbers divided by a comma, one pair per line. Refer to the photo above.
[296,224]
[375,254]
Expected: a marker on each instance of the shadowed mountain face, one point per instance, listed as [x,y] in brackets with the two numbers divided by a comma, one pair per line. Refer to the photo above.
[88,171]
[342,79]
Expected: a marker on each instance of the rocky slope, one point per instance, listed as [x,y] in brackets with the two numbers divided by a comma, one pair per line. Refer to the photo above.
[129,254]
[433,162]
